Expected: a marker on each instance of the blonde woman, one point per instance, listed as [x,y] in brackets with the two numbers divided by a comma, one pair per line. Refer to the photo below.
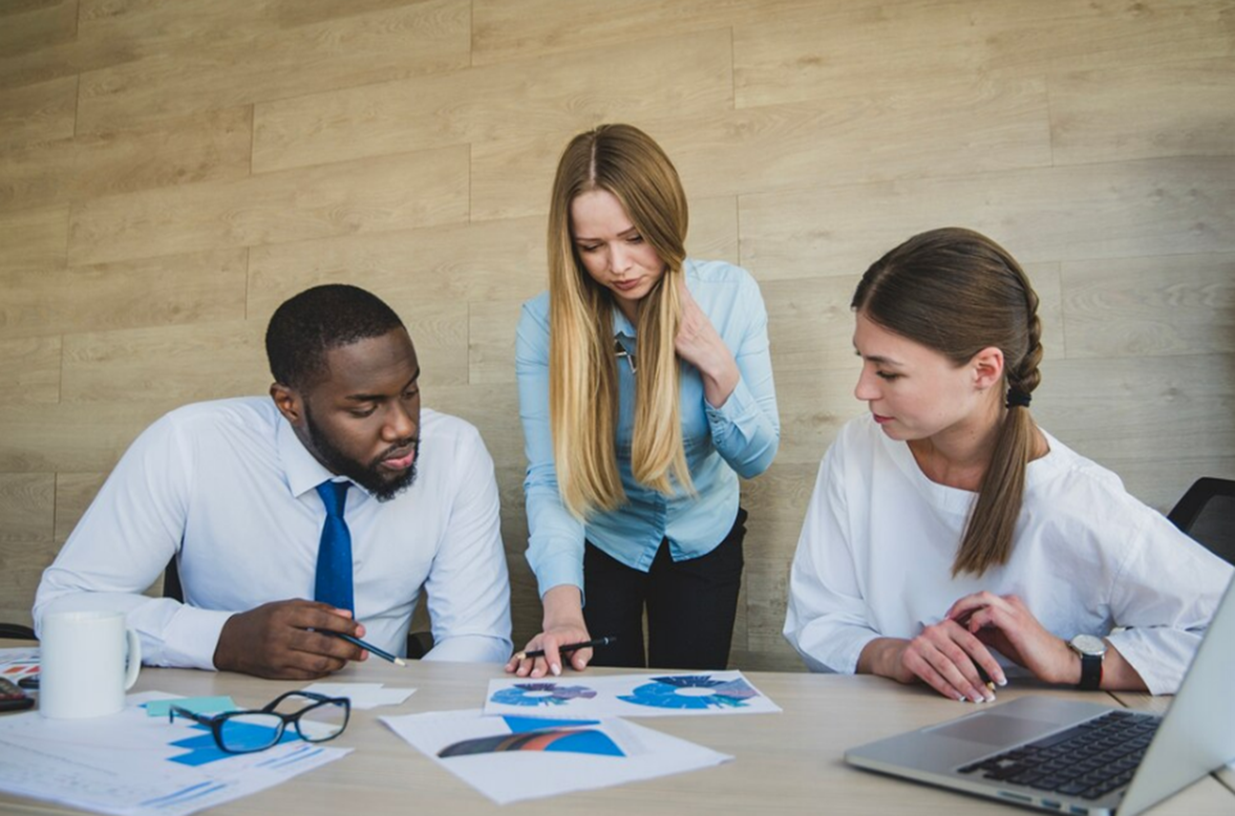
[947,528]
[645,390]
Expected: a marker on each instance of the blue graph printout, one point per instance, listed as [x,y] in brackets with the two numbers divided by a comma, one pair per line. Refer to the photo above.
[130,764]
[631,695]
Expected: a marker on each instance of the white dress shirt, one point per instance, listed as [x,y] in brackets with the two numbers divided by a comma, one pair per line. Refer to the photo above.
[876,550]
[228,489]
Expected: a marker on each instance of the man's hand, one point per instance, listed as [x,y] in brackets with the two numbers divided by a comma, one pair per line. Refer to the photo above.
[284,640]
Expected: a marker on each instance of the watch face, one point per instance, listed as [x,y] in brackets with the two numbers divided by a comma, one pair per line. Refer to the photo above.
[1088,644]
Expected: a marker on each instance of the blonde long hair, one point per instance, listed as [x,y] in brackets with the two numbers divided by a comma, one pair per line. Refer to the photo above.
[956,291]
[583,383]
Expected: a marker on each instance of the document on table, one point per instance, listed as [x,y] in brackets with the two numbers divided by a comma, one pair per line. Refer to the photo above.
[363,695]
[510,759]
[132,765]
[629,695]
[19,662]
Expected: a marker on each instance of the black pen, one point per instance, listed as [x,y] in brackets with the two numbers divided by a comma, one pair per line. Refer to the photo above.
[570,647]
[398,661]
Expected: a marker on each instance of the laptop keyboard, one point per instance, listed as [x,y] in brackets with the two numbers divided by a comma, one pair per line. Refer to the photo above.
[1089,760]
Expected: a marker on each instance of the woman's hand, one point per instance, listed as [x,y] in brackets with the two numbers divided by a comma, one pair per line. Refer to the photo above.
[563,625]
[944,656]
[699,344]
[1005,624]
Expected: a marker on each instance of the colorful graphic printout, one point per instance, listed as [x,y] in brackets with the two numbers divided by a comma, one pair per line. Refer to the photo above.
[630,695]
[520,756]
[534,735]
[695,691]
[541,694]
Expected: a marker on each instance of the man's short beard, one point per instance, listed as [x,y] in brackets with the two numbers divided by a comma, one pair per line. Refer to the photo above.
[370,477]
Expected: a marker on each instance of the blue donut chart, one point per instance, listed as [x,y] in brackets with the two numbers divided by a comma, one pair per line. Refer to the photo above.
[541,694]
[662,692]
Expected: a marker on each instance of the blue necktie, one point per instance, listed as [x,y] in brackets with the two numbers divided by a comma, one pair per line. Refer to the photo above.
[334,553]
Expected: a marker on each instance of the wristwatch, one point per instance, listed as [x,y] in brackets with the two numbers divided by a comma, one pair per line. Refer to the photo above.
[1092,651]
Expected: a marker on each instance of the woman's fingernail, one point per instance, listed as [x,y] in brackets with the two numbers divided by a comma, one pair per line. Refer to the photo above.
[556,669]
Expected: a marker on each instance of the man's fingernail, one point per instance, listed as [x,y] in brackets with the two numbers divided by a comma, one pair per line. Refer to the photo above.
[556,669]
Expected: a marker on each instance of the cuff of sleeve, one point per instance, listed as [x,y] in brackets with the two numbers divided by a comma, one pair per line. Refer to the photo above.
[739,406]
[192,636]
[835,652]
[471,649]
[549,576]
[1160,662]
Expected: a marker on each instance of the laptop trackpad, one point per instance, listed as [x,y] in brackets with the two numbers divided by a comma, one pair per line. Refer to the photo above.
[995,729]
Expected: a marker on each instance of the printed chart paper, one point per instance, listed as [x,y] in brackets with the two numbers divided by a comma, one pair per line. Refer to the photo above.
[510,759]
[132,765]
[18,663]
[628,695]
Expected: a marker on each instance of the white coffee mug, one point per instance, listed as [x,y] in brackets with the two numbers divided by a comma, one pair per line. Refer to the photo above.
[88,660]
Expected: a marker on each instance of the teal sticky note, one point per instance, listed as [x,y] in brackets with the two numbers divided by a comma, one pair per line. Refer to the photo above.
[198,705]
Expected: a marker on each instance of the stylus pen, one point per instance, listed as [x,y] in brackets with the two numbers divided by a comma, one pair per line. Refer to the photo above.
[398,661]
[570,647]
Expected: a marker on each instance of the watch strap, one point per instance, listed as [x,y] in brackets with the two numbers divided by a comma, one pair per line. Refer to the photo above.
[1091,672]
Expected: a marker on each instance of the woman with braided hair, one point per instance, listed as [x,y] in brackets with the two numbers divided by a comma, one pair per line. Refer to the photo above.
[950,537]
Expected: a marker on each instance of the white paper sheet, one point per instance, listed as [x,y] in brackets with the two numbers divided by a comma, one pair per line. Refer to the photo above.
[663,694]
[132,765]
[363,695]
[517,758]
[19,662]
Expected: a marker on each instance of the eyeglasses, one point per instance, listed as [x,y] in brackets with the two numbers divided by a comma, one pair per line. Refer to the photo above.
[622,352]
[244,732]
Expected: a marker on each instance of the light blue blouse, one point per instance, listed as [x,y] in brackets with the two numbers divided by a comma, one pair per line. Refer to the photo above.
[738,438]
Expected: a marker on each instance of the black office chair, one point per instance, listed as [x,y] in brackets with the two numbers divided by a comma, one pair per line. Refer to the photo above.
[16,631]
[1207,514]
[418,643]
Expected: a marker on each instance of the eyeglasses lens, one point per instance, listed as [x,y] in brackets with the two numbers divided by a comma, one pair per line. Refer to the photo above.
[250,731]
[322,722]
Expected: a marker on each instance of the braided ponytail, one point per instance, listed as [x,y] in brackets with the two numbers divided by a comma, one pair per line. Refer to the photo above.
[957,291]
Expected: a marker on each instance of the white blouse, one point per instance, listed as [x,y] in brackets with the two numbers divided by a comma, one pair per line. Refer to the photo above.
[875,559]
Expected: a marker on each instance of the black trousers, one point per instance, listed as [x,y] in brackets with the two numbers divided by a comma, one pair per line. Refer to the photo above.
[690,605]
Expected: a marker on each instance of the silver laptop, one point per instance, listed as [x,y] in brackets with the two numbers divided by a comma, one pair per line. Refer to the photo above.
[1029,751]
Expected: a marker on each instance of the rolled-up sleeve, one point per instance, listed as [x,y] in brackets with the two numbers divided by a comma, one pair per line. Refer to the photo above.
[1163,599]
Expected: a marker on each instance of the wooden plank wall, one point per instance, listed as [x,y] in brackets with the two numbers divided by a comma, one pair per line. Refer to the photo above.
[170,170]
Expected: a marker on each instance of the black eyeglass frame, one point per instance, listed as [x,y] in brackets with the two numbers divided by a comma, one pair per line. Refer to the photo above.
[216,721]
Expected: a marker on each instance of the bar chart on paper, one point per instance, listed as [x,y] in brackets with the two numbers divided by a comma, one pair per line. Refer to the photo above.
[130,764]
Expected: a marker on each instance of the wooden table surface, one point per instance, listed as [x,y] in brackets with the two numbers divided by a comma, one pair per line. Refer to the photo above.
[785,763]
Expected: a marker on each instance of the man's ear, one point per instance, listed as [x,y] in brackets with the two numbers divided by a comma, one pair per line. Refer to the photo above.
[289,403]
[987,367]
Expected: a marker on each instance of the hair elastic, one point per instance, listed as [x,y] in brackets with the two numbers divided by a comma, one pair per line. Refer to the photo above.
[1018,398]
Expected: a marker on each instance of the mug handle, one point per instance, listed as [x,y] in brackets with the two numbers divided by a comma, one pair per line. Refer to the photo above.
[135,658]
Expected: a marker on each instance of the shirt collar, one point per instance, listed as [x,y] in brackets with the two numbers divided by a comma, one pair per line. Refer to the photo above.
[622,325]
[303,471]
